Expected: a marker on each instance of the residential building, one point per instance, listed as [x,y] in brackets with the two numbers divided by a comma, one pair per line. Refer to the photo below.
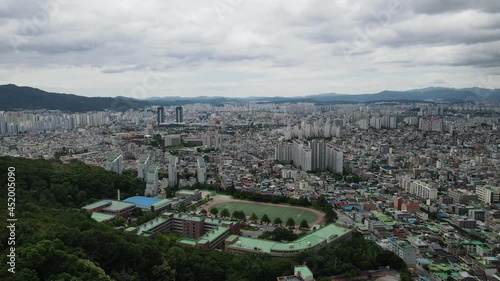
[143,166]
[172,172]
[152,183]
[488,194]
[115,163]
[423,190]
[404,250]
[201,173]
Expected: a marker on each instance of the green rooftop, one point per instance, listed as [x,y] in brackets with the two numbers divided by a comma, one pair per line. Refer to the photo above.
[188,241]
[145,228]
[162,202]
[118,205]
[100,217]
[214,233]
[326,234]
[96,205]
[304,270]
[186,191]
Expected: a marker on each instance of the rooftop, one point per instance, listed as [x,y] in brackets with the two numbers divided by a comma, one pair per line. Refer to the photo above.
[326,234]
[95,205]
[146,227]
[118,205]
[100,217]
[289,278]
[304,270]
[214,233]
[142,201]
[162,202]
[110,205]
[187,191]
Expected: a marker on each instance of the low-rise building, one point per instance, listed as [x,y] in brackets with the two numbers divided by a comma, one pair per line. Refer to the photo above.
[311,242]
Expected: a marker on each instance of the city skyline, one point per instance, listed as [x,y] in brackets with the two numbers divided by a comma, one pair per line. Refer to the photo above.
[242,48]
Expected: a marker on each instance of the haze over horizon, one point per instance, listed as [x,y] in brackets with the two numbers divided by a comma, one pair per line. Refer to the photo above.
[244,48]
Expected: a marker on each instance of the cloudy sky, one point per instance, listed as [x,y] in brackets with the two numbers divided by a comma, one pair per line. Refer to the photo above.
[242,48]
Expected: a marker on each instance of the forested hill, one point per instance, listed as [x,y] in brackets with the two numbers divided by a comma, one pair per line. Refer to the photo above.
[14,97]
[56,241]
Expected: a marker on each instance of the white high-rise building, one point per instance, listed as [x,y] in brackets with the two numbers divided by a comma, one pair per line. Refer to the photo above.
[115,163]
[318,155]
[143,166]
[152,183]
[363,124]
[375,123]
[172,172]
[201,173]
[335,159]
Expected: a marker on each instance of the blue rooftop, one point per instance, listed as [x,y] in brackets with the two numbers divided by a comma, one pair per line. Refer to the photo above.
[442,215]
[142,201]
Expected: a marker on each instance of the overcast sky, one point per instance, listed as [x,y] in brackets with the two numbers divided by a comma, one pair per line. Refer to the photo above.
[242,48]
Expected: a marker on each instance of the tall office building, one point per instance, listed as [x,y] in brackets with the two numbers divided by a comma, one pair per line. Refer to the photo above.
[172,172]
[160,115]
[179,118]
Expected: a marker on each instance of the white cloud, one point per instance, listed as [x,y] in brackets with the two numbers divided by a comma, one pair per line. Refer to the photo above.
[243,47]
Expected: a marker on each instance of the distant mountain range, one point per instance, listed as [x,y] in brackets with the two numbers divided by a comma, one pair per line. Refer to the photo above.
[13,97]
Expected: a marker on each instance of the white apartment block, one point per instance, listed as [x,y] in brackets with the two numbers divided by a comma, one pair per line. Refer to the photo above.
[172,172]
[201,173]
[423,190]
[488,194]
[115,163]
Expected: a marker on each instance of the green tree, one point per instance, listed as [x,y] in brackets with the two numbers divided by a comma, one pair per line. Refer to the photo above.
[278,221]
[279,234]
[265,219]
[214,211]
[163,272]
[225,213]
[242,216]
[304,224]
[253,217]
[203,212]
[405,275]
[235,215]
[330,215]
[290,223]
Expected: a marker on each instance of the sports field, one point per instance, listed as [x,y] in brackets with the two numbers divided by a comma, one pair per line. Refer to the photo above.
[272,211]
